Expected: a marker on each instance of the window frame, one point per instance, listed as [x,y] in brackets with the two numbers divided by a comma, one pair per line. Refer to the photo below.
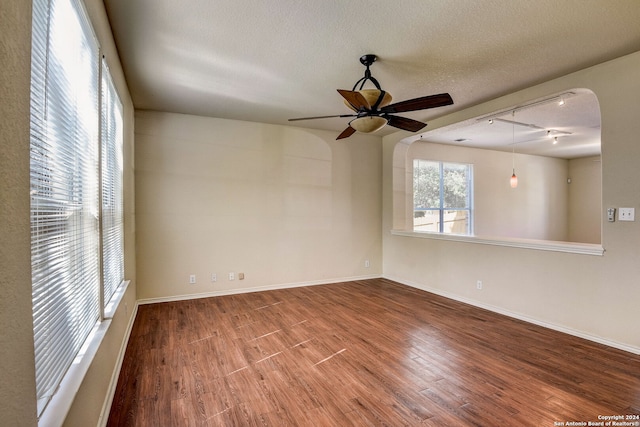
[442,207]
[111,173]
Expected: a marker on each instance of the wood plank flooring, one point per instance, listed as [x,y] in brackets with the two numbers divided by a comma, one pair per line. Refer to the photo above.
[363,353]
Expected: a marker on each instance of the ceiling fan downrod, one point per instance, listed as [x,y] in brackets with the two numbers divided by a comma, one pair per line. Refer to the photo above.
[367,60]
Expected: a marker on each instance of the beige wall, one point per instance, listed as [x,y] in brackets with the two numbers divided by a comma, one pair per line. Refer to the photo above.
[536,209]
[17,388]
[585,200]
[592,296]
[17,371]
[283,205]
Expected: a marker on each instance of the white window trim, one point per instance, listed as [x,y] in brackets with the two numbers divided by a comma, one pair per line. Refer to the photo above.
[58,407]
[441,208]
[541,245]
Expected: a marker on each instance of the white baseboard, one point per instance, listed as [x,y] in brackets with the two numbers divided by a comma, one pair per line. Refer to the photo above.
[106,407]
[499,310]
[253,289]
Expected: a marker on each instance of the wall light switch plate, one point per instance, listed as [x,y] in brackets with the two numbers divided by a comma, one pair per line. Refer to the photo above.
[626,214]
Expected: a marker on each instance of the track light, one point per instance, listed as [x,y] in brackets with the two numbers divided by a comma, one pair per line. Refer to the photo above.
[559,99]
[490,121]
[555,140]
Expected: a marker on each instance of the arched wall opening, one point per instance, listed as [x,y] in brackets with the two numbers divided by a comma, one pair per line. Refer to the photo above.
[552,144]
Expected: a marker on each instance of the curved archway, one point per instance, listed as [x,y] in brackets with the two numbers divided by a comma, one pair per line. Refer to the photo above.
[553,143]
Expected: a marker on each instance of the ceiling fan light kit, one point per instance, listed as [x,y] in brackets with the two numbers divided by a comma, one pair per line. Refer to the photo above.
[368,124]
[373,109]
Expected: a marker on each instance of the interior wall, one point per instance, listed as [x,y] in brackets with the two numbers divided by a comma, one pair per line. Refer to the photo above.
[585,200]
[282,205]
[17,389]
[536,209]
[591,296]
[17,370]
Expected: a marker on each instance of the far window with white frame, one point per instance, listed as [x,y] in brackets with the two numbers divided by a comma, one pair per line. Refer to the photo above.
[442,197]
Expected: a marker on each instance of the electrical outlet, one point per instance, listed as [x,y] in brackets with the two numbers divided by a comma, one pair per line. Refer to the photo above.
[240,276]
[192,279]
[214,277]
[367,264]
[232,276]
[479,284]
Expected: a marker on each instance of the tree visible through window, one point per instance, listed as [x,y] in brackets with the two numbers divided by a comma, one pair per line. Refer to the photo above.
[442,197]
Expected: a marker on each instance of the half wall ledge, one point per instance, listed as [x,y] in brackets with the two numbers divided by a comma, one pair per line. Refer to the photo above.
[541,245]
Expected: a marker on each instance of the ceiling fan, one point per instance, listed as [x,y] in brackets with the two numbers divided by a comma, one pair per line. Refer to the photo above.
[373,110]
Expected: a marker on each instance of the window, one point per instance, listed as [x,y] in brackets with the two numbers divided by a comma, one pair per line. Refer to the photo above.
[111,169]
[67,248]
[442,197]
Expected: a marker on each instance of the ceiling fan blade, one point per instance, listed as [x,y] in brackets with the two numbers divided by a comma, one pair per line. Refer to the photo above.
[431,101]
[356,99]
[346,133]
[405,123]
[322,117]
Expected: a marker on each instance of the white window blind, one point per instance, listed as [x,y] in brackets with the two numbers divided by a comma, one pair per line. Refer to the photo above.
[66,178]
[112,186]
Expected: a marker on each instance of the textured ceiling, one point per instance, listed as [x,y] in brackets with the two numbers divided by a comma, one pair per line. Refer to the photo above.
[267,61]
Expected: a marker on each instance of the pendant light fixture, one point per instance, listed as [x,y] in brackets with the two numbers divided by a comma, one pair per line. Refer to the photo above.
[514,179]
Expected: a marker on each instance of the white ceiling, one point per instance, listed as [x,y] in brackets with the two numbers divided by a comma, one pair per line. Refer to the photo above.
[268,61]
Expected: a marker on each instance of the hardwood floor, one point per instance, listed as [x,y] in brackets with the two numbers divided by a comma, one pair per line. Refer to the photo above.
[357,354]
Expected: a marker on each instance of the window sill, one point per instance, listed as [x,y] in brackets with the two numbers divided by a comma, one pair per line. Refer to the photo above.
[58,407]
[542,245]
